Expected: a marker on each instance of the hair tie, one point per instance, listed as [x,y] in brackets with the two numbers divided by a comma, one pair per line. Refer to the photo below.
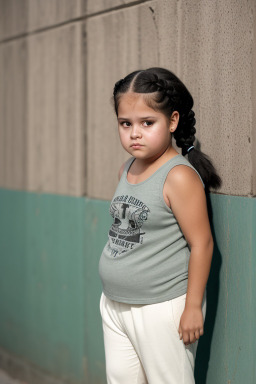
[190,148]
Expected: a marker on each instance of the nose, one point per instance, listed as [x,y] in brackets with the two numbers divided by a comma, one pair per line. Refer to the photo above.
[135,132]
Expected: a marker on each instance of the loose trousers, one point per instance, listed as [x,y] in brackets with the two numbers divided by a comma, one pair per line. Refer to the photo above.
[142,344]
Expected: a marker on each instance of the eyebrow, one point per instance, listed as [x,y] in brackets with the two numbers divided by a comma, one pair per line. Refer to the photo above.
[146,117]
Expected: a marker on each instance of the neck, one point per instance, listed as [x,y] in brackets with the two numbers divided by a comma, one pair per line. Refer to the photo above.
[167,154]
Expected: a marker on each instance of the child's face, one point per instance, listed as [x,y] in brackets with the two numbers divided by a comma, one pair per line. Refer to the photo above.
[144,133]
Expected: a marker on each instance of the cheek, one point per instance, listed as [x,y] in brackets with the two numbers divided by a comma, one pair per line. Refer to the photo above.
[123,136]
[158,138]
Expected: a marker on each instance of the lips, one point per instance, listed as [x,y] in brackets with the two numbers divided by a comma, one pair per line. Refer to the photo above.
[136,145]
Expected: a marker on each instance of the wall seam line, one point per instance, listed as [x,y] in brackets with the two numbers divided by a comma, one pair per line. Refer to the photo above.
[70,21]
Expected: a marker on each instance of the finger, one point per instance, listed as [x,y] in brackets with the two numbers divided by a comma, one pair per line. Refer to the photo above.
[201,331]
[192,337]
[185,338]
[197,334]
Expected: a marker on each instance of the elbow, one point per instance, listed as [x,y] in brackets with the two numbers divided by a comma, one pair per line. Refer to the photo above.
[206,245]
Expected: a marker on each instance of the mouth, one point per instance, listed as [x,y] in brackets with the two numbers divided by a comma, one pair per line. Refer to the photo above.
[136,146]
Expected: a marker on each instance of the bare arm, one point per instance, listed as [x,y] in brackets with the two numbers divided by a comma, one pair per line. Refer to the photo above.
[187,199]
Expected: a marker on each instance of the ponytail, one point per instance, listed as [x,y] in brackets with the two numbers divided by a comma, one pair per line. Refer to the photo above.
[203,164]
[185,137]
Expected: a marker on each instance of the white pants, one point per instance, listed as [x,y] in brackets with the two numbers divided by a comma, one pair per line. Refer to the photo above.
[142,344]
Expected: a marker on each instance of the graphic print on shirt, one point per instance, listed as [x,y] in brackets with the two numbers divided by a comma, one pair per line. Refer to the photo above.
[129,214]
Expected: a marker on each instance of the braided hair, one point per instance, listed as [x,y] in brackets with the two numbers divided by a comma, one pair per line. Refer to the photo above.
[166,93]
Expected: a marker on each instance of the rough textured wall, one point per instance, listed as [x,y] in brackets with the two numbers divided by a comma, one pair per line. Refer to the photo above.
[19,17]
[55,128]
[13,115]
[42,127]
[254,103]
[210,46]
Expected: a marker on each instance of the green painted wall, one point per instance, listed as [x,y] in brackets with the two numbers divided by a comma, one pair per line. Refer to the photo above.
[49,286]
[50,290]
[226,352]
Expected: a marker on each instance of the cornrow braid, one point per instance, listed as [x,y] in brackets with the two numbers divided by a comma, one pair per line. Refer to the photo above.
[185,132]
[164,88]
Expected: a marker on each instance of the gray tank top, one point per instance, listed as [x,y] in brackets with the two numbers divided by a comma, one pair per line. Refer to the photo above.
[145,259]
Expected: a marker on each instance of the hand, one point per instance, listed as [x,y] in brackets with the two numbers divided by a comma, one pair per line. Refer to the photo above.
[191,325]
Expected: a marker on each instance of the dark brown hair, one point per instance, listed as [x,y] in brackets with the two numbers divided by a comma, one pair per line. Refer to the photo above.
[164,92]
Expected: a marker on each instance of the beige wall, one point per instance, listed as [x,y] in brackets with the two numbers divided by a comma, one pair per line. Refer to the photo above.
[42,124]
[58,65]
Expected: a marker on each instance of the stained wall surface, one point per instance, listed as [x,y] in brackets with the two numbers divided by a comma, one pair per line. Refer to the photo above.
[60,155]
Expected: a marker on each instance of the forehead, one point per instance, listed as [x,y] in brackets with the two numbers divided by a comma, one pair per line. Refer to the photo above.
[131,102]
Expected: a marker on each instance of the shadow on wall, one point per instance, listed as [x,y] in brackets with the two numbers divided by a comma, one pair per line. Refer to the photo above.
[212,297]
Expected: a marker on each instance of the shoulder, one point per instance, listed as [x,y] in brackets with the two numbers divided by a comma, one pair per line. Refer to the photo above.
[122,168]
[182,181]
[186,196]
[183,173]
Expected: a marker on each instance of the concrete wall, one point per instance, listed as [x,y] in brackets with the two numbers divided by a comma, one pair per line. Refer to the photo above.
[42,134]
[59,158]
[210,46]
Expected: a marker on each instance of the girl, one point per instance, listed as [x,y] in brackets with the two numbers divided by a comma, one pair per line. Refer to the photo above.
[155,265]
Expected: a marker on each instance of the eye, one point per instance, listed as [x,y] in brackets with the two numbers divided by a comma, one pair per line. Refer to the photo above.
[148,123]
[125,122]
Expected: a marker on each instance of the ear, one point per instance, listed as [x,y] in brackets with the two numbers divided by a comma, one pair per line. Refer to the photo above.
[174,121]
